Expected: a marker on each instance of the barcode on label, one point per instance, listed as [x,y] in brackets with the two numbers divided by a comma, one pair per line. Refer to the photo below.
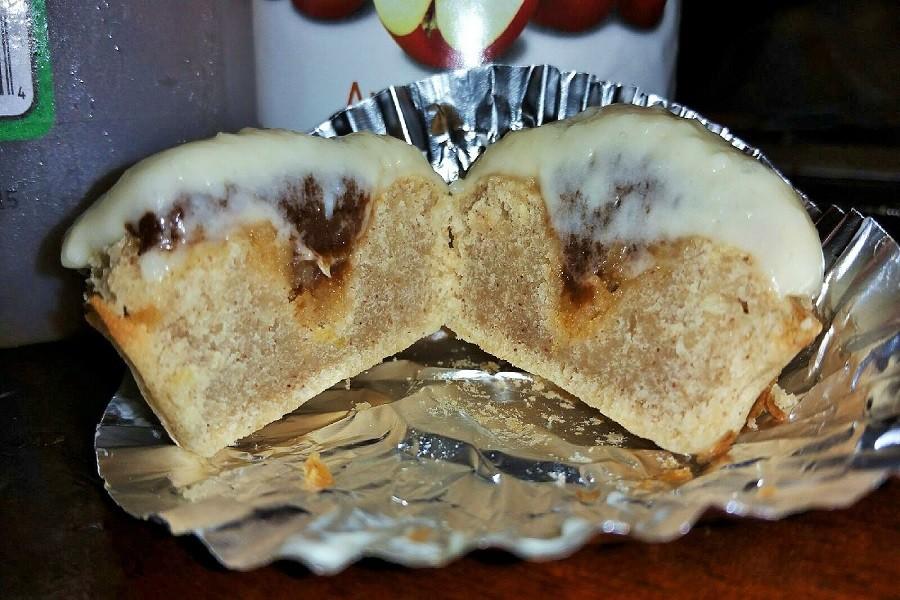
[16,74]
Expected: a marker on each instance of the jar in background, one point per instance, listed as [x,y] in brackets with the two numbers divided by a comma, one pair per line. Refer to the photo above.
[313,57]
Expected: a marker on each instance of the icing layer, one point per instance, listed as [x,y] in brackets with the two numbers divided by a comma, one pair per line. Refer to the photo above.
[625,175]
[249,168]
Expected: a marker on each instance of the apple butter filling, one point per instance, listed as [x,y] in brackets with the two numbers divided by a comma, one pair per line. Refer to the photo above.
[590,258]
[164,232]
[322,241]
[322,218]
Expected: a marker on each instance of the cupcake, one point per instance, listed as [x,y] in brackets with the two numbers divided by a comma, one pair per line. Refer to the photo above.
[241,276]
[641,263]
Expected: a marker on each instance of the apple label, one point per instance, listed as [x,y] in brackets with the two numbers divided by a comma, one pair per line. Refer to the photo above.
[450,34]
[314,57]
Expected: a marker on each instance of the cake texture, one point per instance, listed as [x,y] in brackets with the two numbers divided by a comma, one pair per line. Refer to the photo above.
[642,264]
[239,294]
[629,256]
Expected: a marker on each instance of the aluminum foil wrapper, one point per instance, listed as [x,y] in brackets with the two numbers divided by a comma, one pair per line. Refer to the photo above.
[444,449]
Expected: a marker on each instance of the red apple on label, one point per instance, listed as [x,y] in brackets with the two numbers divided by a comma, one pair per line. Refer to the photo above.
[572,15]
[642,13]
[328,9]
[455,33]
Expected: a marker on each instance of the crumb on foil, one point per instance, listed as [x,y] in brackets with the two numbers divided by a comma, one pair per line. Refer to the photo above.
[587,496]
[717,450]
[784,401]
[361,406]
[420,535]
[316,476]
[676,476]
[773,401]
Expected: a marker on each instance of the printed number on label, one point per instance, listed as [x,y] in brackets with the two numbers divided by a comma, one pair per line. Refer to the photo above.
[16,68]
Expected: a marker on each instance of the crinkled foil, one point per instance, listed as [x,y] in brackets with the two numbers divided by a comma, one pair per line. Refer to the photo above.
[444,449]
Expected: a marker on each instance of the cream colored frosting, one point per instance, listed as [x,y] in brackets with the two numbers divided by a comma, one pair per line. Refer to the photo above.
[248,167]
[701,186]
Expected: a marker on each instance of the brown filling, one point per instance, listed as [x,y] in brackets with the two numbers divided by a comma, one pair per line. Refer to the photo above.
[587,263]
[302,204]
[163,232]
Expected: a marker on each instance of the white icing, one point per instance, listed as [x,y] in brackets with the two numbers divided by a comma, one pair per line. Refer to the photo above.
[702,187]
[244,208]
[156,264]
[208,220]
[252,165]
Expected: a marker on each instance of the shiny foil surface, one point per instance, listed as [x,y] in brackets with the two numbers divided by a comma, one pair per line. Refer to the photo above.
[444,449]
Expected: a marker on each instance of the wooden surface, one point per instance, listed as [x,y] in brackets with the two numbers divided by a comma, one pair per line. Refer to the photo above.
[60,535]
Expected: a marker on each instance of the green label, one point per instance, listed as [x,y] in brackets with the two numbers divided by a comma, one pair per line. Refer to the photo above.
[26,77]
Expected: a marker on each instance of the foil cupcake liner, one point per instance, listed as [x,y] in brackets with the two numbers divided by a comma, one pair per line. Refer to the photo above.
[444,449]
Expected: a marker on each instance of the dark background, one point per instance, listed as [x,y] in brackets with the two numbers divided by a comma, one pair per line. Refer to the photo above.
[814,84]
